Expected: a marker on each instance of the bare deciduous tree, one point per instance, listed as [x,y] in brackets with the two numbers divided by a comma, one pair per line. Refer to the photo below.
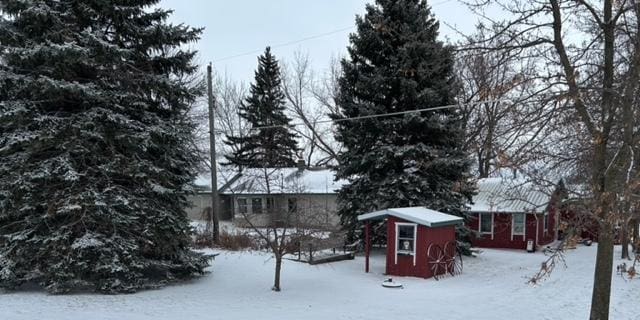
[505,116]
[589,55]
[310,101]
[281,225]
[228,96]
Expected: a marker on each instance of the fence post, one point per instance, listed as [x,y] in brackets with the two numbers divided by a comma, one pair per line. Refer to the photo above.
[367,246]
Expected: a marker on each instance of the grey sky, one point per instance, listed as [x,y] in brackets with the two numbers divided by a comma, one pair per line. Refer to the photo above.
[239,26]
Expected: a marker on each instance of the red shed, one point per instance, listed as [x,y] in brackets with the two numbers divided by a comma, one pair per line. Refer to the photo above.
[507,213]
[412,235]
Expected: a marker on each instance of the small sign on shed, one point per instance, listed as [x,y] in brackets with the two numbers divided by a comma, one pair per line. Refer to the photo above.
[420,242]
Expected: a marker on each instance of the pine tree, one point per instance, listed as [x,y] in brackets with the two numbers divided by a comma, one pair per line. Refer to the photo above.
[274,146]
[397,64]
[95,156]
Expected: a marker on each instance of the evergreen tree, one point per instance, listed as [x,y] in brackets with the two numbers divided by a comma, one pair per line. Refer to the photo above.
[95,156]
[397,64]
[274,146]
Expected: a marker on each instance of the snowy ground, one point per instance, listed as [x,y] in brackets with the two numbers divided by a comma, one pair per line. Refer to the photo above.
[493,287]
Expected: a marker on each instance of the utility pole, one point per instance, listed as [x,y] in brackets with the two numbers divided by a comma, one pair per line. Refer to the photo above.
[215,198]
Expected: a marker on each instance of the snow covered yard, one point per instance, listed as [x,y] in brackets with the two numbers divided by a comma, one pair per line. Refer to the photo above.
[493,286]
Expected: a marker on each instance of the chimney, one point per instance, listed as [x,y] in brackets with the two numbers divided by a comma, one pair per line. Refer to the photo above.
[300,164]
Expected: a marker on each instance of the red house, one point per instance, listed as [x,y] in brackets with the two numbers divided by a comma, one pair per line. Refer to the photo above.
[509,213]
[420,241]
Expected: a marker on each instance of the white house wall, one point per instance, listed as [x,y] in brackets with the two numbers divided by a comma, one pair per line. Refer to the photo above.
[317,208]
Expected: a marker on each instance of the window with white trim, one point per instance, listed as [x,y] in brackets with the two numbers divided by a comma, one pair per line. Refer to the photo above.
[406,238]
[271,204]
[517,224]
[242,206]
[256,205]
[546,221]
[485,223]
[292,205]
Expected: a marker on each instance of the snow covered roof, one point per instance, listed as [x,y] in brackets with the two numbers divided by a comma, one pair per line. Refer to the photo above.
[203,180]
[509,196]
[579,191]
[419,215]
[284,180]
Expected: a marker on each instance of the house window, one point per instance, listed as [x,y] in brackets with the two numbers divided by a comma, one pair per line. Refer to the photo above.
[270,205]
[292,205]
[546,222]
[486,223]
[242,206]
[406,238]
[256,205]
[518,224]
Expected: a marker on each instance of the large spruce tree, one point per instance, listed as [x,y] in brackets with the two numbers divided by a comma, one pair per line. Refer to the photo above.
[270,142]
[95,155]
[396,63]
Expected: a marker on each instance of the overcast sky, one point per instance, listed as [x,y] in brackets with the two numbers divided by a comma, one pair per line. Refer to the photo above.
[236,27]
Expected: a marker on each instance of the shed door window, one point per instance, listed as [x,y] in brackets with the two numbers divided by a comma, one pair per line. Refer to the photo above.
[406,239]
[518,223]
[486,223]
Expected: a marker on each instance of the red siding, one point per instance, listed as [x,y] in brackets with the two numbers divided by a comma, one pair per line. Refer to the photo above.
[547,237]
[425,236]
[502,238]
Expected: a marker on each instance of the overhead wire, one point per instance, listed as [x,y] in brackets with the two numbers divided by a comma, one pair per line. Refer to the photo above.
[351,118]
[285,44]
[302,39]
[380,115]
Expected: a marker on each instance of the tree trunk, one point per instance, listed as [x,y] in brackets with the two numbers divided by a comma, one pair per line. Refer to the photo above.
[636,235]
[276,281]
[624,240]
[488,144]
[602,277]
[482,173]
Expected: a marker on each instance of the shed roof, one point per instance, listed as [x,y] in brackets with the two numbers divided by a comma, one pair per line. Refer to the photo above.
[419,215]
[509,196]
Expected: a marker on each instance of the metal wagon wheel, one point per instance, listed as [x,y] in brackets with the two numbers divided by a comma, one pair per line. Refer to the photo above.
[450,252]
[454,258]
[457,263]
[437,260]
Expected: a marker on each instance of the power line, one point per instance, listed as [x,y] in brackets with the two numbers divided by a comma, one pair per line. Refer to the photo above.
[286,43]
[441,2]
[303,39]
[385,114]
